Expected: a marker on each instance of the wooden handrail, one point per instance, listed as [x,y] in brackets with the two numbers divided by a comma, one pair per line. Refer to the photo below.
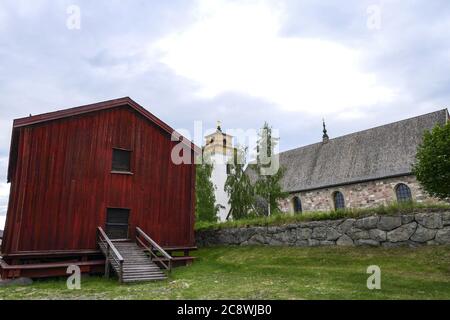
[110,244]
[153,244]
[116,256]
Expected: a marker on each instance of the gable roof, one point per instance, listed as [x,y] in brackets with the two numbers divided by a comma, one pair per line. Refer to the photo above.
[66,113]
[380,152]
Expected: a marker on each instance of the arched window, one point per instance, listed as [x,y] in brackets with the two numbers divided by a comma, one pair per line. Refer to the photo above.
[338,199]
[297,205]
[403,193]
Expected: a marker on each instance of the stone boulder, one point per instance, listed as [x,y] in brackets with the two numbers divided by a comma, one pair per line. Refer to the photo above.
[319,233]
[388,223]
[303,233]
[301,243]
[274,229]
[443,236]
[276,242]
[407,218]
[333,234]
[367,223]
[313,243]
[227,236]
[446,219]
[327,243]
[367,242]
[346,225]
[423,234]
[357,234]
[402,233]
[377,235]
[244,234]
[257,239]
[400,244]
[344,241]
[429,220]
[286,236]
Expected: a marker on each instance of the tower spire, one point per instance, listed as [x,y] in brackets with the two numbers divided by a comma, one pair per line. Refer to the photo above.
[325,137]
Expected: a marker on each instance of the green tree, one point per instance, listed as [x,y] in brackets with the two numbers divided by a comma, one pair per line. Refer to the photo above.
[268,185]
[205,209]
[239,187]
[432,167]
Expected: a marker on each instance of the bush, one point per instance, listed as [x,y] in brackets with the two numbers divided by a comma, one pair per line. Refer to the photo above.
[432,168]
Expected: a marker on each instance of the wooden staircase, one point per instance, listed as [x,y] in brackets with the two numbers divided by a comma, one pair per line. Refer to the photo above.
[137,266]
[131,262]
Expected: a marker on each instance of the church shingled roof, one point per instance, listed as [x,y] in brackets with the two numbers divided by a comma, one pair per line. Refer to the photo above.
[380,152]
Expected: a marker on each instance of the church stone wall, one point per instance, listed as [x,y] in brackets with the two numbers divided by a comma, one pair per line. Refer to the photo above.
[359,195]
[423,228]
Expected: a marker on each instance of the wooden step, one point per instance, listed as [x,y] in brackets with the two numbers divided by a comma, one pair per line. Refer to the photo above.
[144,279]
[141,275]
[138,275]
[136,266]
[141,268]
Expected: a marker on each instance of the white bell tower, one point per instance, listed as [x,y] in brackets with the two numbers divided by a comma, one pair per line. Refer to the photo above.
[219,147]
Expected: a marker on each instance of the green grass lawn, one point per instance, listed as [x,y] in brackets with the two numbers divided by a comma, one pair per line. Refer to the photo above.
[275,273]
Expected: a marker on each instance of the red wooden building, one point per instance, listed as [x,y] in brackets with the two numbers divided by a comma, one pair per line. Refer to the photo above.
[96,181]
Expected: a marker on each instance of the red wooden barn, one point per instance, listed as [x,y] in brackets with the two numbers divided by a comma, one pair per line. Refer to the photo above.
[97,181]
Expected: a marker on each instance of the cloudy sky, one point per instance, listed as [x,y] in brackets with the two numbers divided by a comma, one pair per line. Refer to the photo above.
[357,64]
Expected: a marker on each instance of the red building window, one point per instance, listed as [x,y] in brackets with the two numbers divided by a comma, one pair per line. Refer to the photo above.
[121,160]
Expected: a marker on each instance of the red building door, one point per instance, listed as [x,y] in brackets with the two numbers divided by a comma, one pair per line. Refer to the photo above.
[117,223]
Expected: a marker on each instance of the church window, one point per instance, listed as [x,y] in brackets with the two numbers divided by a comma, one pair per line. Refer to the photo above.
[403,193]
[338,199]
[297,205]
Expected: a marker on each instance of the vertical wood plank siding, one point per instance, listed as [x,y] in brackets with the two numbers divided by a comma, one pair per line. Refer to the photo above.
[62,183]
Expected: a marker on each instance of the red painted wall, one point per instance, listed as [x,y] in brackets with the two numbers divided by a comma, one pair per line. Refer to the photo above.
[63,183]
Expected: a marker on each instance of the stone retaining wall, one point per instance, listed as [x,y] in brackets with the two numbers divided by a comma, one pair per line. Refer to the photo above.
[408,229]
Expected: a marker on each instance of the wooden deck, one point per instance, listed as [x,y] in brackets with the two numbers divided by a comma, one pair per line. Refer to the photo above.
[48,269]
[41,264]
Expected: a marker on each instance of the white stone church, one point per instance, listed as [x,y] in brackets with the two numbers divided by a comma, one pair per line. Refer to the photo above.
[358,170]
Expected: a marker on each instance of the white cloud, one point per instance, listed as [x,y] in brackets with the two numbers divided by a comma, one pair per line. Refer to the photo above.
[238,47]
[27,9]
[4,190]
